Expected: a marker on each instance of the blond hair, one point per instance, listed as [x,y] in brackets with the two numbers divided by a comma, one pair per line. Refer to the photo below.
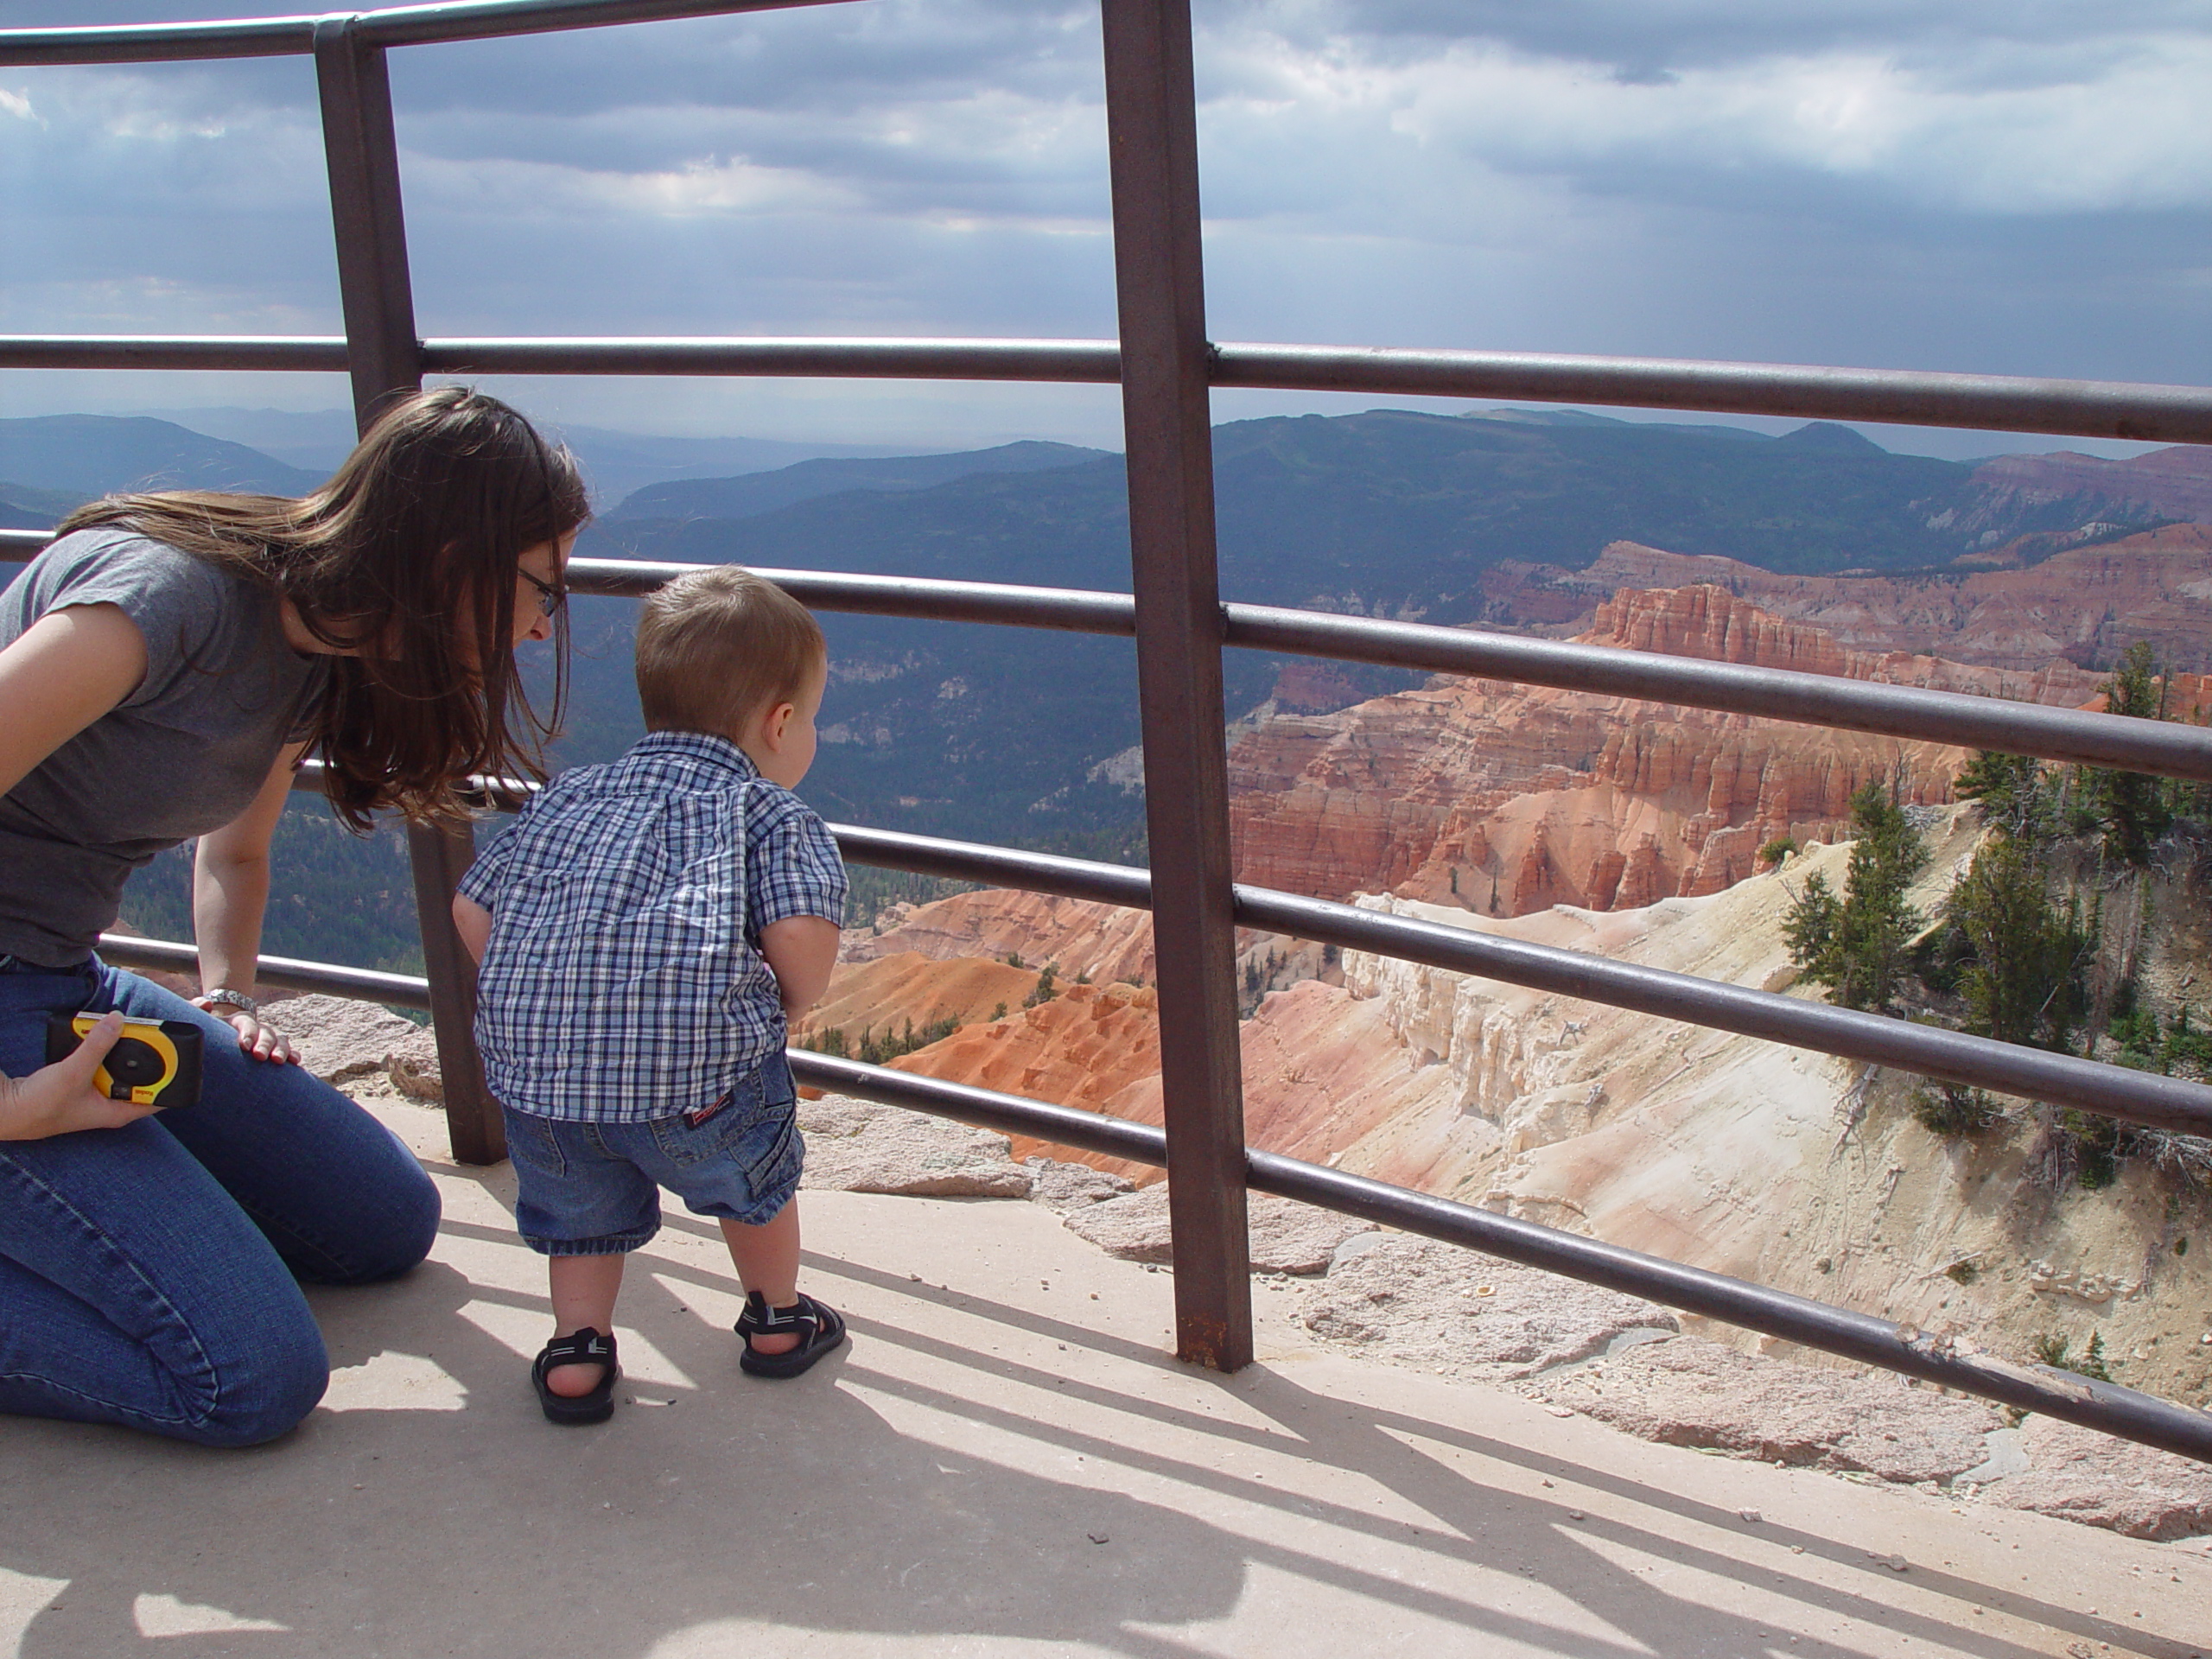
[716,647]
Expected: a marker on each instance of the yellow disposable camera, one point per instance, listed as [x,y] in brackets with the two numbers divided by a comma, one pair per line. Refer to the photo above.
[151,1064]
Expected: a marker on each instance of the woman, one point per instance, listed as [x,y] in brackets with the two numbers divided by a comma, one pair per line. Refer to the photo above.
[163,666]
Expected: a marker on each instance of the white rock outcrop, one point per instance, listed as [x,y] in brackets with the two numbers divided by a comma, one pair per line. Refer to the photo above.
[856,1146]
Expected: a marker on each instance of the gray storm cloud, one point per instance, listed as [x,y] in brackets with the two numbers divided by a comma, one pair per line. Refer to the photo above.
[1961,183]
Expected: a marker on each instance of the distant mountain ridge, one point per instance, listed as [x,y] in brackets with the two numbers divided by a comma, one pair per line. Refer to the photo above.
[615,463]
[89,456]
[2174,483]
[750,495]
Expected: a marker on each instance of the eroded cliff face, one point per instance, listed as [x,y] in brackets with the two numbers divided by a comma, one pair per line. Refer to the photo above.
[2081,605]
[1631,830]
[1792,1169]
[1742,1156]
[1093,1046]
[878,995]
[1102,942]
[1796,1170]
[1507,799]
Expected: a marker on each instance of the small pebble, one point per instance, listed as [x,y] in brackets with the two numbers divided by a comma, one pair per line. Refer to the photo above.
[1751,1515]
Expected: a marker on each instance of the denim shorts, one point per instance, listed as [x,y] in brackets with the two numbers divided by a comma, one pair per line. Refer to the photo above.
[594,1189]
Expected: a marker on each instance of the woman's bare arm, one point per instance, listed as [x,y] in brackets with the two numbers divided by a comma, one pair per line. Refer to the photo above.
[56,677]
[229,895]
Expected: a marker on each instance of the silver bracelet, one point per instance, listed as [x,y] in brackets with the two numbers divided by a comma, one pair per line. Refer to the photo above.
[229,998]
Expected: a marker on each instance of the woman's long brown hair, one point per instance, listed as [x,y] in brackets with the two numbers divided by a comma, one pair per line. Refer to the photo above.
[408,556]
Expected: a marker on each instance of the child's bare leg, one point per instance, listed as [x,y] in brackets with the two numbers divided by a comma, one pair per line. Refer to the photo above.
[584,1289]
[766,1260]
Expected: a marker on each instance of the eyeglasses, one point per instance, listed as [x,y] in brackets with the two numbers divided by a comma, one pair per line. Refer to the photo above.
[550,596]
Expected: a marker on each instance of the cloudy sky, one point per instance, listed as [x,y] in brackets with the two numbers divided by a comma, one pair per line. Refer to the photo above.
[2005,186]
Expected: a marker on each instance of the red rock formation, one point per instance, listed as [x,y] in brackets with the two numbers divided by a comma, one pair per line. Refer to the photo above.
[1502,799]
[1506,800]
[1084,939]
[1322,1069]
[2084,605]
[881,995]
[1087,1048]
[1468,788]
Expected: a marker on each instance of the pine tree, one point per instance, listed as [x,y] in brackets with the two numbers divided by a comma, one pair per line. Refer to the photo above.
[1855,944]
[2132,809]
[2028,981]
[2014,790]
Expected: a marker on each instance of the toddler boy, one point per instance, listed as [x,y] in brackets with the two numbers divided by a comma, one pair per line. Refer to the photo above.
[644,932]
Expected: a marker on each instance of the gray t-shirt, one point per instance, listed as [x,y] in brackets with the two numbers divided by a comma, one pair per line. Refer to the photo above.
[184,754]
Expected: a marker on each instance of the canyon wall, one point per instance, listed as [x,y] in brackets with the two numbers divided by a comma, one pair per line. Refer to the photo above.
[1099,942]
[2083,605]
[1507,799]
[1629,830]
[1794,1169]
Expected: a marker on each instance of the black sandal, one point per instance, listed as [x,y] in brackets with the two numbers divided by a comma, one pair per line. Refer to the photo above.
[819,1329]
[585,1347]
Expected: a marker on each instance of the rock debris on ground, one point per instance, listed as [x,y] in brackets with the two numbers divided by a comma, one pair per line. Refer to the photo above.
[1423,1302]
[341,1040]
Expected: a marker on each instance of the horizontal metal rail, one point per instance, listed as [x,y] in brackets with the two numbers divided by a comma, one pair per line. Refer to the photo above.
[2166,749]
[2144,1097]
[1097,361]
[420,25]
[262,353]
[287,973]
[2104,1405]
[2159,413]
[1072,610]
[2096,409]
[2163,749]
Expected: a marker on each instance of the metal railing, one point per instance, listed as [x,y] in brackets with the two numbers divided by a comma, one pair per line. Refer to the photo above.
[1165,367]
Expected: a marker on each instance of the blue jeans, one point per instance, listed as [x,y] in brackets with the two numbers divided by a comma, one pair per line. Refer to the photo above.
[594,1189]
[149,1273]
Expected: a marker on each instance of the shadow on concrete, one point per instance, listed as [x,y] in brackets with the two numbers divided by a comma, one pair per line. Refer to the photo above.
[1052,1486]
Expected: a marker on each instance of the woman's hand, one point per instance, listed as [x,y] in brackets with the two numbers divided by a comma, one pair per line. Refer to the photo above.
[255,1039]
[59,1099]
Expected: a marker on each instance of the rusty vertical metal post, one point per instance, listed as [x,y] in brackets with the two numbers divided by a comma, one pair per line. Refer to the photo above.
[1152,130]
[385,357]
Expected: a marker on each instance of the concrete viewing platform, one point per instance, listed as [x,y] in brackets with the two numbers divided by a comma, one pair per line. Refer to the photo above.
[1006,1459]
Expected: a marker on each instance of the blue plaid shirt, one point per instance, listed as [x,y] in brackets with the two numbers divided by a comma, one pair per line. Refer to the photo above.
[624,980]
